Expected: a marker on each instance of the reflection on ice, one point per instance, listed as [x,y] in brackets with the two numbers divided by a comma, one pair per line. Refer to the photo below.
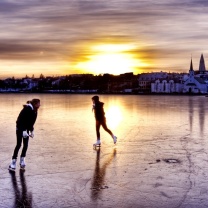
[98,181]
[23,198]
[114,116]
[161,158]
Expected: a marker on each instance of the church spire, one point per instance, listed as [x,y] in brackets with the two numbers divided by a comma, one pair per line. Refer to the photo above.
[202,64]
[191,71]
[191,66]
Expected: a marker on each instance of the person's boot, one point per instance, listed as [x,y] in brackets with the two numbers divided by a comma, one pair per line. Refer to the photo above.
[97,143]
[22,163]
[114,139]
[12,166]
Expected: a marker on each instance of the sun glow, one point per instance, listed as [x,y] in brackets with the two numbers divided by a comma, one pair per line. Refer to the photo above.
[111,58]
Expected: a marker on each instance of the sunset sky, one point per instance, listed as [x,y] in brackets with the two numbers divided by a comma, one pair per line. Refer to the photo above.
[61,37]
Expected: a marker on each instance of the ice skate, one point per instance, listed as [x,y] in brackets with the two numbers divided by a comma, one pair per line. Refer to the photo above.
[114,139]
[12,166]
[97,144]
[22,163]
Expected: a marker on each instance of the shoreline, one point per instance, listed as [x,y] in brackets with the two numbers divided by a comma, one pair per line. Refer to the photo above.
[102,93]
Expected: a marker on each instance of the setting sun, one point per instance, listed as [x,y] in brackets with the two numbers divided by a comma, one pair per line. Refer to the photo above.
[111,58]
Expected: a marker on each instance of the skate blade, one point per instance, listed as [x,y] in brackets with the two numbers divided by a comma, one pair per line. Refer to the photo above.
[96,145]
[22,168]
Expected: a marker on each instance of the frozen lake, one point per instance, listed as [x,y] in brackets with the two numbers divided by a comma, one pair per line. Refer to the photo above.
[160,159]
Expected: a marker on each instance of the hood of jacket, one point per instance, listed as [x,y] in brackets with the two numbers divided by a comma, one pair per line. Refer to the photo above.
[30,105]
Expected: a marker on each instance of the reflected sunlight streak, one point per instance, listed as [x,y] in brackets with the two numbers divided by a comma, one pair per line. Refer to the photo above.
[114,116]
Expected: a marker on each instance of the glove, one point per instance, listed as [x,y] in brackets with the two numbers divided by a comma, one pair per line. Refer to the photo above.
[25,134]
[32,134]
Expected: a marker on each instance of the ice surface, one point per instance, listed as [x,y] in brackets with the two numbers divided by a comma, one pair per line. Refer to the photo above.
[160,159]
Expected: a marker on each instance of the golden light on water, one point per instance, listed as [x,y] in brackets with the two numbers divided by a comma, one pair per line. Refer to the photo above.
[111,58]
[114,116]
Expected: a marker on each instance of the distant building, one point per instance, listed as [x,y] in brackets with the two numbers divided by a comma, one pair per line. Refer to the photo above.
[197,83]
[146,79]
[166,86]
[202,68]
[29,83]
[57,81]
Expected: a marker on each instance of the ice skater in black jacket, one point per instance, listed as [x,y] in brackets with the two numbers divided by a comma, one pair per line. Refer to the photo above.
[100,120]
[24,130]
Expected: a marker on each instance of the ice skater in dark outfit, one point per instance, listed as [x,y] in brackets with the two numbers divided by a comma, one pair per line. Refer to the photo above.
[100,120]
[24,130]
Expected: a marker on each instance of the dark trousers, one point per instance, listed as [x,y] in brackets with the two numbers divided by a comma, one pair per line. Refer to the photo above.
[104,125]
[19,143]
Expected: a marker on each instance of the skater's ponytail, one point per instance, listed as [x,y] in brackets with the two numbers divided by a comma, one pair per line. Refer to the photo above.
[33,101]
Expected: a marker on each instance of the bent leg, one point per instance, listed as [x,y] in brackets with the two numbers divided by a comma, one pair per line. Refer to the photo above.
[104,125]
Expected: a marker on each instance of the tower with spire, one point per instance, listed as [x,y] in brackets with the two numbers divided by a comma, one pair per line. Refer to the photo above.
[196,79]
[191,72]
[202,68]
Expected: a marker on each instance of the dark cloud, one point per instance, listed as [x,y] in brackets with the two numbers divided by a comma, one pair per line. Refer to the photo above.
[8,7]
[29,51]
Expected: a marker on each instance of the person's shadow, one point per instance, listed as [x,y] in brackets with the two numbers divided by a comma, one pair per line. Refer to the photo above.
[98,183]
[22,197]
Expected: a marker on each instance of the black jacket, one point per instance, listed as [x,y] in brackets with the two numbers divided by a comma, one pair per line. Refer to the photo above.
[26,118]
[99,111]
